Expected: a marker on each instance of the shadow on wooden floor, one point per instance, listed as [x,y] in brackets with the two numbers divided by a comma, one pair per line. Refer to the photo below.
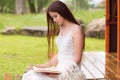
[100,66]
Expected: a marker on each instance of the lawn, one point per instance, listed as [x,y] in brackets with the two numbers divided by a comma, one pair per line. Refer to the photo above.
[17,52]
[19,21]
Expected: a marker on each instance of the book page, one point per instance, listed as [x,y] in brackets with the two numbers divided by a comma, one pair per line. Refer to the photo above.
[46,70]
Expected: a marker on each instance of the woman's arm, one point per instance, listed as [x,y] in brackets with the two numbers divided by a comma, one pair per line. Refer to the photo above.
[49,63]
[53,61]
[78,39]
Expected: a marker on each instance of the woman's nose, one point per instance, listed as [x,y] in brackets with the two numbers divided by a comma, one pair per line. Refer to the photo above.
[54,20]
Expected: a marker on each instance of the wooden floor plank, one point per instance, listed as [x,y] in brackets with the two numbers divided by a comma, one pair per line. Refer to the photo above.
[112,66]
[92,68]
[100,56]
[86,71]
[97,64]
[111,75]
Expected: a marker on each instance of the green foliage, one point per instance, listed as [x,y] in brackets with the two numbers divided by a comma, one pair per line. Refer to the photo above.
[83,4]
[41,4]
[19,21]
[37,6]
[7,6]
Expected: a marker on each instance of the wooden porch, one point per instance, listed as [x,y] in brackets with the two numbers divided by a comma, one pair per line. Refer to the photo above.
[101,66]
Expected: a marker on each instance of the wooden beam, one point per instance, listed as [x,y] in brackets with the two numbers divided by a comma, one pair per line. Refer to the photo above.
[118,30]
[107,27]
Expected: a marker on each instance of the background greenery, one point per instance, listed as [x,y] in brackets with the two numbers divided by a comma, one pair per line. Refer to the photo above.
[19,21]
[17,51]
[36,6]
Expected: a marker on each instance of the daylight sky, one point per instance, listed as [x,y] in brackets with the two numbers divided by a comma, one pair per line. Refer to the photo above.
[96,2]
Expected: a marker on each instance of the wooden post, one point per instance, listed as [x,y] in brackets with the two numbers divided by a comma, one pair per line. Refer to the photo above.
[118,30]
[107,27]
[7,76]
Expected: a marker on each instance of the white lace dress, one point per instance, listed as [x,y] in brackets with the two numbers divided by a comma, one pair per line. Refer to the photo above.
[70,70]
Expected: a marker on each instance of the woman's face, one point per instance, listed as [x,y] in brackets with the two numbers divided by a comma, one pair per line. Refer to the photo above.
[57,18]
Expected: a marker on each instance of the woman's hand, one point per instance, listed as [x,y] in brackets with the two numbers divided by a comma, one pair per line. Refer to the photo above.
[40,65]
[51,62]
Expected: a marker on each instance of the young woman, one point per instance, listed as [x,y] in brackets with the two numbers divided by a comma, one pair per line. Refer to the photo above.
[70,43]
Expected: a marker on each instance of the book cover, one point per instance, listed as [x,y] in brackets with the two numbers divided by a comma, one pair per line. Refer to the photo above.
[46,70]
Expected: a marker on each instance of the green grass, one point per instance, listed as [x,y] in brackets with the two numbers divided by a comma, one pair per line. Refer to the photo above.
[17,52]
[94,44]
[89,15]
[19,21]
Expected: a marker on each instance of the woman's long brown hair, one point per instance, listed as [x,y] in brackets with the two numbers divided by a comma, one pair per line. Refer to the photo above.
[61,9]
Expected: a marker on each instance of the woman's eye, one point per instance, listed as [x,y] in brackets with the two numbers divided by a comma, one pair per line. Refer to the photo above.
[55,16]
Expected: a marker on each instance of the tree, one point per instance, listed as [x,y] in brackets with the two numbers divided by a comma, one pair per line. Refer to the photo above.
[36,6]
[20,6]
[32,6]
[7,6]
[41,4]
[83,4]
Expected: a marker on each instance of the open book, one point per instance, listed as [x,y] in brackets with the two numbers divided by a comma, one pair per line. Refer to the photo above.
[46,70]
